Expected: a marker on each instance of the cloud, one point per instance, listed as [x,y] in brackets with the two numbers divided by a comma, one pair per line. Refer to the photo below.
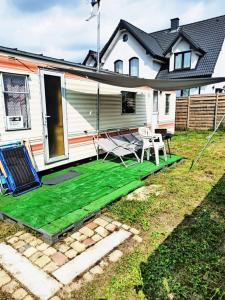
[33,6]
[58,28]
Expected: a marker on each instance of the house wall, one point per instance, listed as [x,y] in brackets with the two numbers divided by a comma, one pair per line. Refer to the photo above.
[219,71]
[163,118]
[80,97]
[148,68]
[126,50]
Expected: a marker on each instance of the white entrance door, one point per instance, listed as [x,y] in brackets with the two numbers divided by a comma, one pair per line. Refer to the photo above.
[54,116]
[155,110]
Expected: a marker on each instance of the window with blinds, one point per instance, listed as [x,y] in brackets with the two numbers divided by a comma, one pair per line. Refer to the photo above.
[128,102]
[15,92]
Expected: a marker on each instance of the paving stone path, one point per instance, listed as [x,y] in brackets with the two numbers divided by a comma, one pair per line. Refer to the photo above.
[26,261]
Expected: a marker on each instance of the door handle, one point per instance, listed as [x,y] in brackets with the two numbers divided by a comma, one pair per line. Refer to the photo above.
[45,119]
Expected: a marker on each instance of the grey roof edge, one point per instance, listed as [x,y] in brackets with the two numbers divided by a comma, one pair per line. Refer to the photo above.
[91,53]
[166,29]
[16,51]
[150,50]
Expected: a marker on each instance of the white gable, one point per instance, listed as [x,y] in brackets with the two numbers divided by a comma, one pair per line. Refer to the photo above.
[120,50]
[180,46]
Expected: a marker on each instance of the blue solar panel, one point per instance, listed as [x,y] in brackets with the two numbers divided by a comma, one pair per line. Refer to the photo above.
[21,175]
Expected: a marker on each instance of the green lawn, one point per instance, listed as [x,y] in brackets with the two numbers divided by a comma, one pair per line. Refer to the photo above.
[183,226]
[183,253]
[52,209]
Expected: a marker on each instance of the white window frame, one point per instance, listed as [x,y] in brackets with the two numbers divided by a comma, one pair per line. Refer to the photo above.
[27,93]
[138,66]
[167,113]
[115,63]
[155,111]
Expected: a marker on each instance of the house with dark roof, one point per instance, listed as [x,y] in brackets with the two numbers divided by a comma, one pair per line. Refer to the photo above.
[181,51]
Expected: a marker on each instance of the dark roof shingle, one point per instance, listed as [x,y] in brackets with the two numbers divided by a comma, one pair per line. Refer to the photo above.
[209,34]
[149,42]
[206,36]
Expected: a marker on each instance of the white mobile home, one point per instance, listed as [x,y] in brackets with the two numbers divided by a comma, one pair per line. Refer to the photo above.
[56,111]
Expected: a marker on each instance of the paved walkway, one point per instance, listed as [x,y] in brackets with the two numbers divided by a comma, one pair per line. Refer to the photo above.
[31,268]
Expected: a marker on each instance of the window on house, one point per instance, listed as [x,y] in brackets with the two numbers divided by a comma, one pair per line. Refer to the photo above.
[195,91]
[16,101]
[185,92]
[128,102]
[155,101]
[167,106]
[187,60]
[182,60]
[118,66]
[134,66]
[218,90]
[125,37]
[178,93]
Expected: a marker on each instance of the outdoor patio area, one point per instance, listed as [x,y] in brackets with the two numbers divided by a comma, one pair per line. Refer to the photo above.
[51,210]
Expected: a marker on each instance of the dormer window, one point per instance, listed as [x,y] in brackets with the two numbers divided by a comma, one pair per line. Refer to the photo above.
[118,66]
[182,60]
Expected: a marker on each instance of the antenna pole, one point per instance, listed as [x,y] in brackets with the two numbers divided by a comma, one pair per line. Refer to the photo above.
[98,70]
[98,40]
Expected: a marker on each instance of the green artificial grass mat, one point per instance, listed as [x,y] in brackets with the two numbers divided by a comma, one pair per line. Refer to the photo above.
[54,208]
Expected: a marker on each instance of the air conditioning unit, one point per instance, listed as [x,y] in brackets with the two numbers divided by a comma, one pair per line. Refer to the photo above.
[14,122]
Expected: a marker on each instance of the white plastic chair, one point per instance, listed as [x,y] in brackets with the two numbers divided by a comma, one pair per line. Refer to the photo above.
[154,141]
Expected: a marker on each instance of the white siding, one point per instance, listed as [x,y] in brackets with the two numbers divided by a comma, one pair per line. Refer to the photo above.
[81,114]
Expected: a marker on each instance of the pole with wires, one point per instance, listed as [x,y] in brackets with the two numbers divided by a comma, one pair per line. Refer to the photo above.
[96,12]
[98,70]
[206,144]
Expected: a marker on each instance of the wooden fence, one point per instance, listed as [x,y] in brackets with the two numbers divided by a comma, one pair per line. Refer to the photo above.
[199,111]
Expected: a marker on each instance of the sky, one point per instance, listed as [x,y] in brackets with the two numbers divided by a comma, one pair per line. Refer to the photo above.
[58,28]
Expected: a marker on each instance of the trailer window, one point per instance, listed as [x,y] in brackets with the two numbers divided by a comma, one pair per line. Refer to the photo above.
[128,102]
[15,92]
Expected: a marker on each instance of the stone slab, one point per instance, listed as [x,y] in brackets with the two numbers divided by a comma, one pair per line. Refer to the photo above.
[90,257]
[37,281]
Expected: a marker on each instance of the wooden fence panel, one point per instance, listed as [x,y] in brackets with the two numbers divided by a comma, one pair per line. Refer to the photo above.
[199,111]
